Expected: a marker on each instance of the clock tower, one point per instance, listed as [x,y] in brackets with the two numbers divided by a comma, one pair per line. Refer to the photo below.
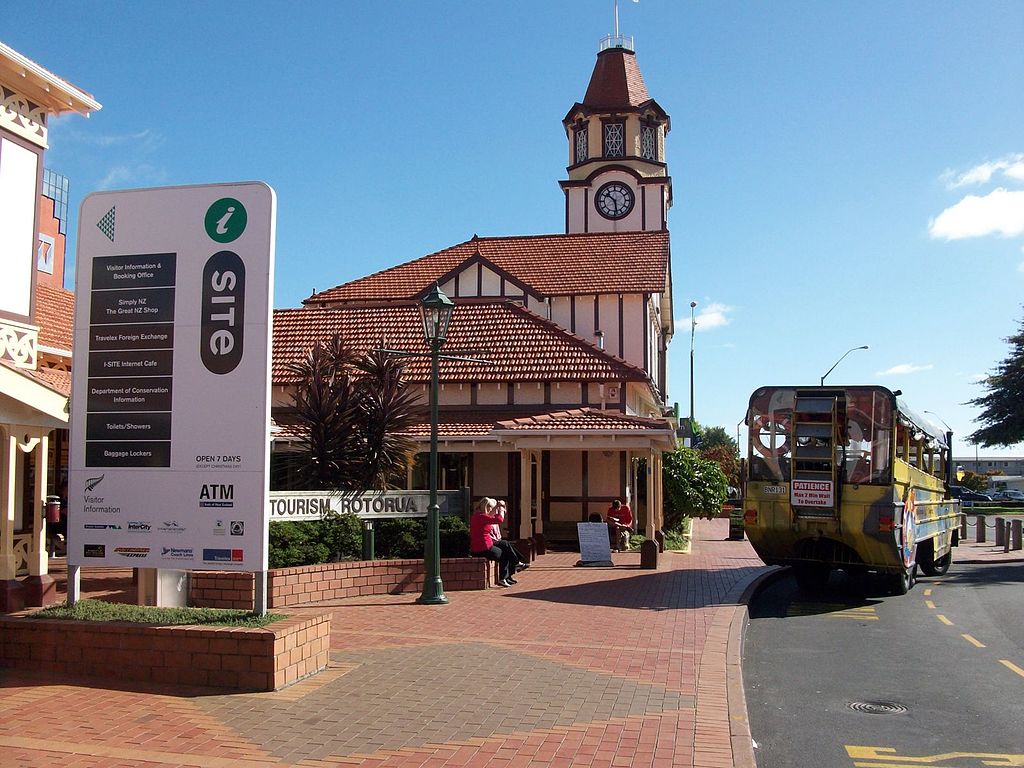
[618,180]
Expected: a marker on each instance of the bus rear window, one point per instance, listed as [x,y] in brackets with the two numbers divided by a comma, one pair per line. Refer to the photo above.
[868,433]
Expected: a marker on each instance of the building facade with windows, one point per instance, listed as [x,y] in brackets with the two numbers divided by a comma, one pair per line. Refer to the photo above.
[571,411]
[35,321]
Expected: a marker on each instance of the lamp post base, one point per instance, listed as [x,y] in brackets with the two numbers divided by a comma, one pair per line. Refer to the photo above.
[440,599]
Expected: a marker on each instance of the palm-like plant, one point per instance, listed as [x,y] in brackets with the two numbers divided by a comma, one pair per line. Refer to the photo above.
[352,412]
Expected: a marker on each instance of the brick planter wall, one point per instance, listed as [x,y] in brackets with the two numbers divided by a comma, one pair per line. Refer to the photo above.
[265,659]
[332,581]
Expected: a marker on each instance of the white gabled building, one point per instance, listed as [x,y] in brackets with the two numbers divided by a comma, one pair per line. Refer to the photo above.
[573,412]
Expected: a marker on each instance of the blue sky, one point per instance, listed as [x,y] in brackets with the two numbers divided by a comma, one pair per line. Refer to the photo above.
[845,173]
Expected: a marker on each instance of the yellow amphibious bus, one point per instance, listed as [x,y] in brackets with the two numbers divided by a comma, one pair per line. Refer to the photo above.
[850,478]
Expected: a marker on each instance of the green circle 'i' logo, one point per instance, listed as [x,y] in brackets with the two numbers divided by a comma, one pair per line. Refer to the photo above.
[226,220]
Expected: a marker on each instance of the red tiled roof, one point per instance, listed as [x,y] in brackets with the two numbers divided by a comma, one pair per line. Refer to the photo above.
[522,346]
[55,316]
[58,381]
[616,82]
[584,420]
[451,423]
[553,265]
[456,423]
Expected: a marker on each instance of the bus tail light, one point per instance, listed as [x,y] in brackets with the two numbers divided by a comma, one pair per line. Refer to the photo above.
[885,524]
[750,517]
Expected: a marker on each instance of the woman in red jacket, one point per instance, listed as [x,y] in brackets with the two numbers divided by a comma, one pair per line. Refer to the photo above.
[482,544]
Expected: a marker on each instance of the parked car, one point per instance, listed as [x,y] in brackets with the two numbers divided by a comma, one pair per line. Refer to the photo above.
[1010,494]
[964,493]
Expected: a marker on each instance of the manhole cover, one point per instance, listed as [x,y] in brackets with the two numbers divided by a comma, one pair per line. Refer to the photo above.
[877,707]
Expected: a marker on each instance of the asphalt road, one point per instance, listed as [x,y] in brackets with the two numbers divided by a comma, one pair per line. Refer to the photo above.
[857,678]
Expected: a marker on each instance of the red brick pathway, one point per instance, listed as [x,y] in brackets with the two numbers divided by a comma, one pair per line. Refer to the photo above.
[572,667]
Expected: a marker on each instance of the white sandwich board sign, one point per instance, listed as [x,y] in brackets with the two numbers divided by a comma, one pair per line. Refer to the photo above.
[170,395]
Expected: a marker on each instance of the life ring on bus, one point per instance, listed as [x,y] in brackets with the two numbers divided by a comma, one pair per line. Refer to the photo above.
[767,425]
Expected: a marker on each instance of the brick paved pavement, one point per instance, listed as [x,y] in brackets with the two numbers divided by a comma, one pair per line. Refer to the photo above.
[970,551]
[597,667]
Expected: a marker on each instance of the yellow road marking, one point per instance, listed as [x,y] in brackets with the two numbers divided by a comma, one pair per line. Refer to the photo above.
[927,593]
[888,758]
[944,620]
[930,604]
[973,642]
[833,611]
[1010,665]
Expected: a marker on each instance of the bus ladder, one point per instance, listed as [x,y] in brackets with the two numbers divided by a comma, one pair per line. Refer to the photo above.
[815,438]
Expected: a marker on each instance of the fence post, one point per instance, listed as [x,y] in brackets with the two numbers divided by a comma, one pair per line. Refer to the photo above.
[1016,526]
[979,529]
[1000,531]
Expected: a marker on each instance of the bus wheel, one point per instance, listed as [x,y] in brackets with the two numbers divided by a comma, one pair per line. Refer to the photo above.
[811,578]
[938,567]
[903,581]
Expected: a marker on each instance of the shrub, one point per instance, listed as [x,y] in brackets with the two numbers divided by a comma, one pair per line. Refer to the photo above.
[454,537]
[400,538]
[340,537]
[309,542]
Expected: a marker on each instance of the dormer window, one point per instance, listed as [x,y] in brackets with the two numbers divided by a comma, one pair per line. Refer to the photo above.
[614,140]
[649,142]
[582,150]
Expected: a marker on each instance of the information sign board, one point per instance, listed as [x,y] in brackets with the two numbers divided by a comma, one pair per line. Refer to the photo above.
[595,546]
[170,395]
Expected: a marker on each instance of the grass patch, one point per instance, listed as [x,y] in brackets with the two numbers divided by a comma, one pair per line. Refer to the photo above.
[100,610]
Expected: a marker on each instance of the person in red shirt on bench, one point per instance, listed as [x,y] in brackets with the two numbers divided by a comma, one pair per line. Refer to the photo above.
[483,544]
[620,525]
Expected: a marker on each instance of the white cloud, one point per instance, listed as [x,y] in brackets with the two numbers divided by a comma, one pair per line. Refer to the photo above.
[131,175]
[714,315]
[1011,166]
[1001,212]
[904,368]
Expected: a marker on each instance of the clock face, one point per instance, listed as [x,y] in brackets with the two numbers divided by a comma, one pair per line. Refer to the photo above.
[614,200]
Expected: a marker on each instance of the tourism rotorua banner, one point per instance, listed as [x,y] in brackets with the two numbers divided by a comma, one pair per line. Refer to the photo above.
[171,382]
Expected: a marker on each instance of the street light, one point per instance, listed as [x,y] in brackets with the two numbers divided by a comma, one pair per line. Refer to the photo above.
[436,309]
[822,382]
[693,327]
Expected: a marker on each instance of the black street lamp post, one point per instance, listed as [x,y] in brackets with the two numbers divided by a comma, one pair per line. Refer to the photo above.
[436,309]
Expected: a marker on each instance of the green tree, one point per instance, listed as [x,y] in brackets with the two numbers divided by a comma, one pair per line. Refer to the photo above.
[714,437]
[716,444]
[355,414]
[694,486]
[1002,414]
[974,481]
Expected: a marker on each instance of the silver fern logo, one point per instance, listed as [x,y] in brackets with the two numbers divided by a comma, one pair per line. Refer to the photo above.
[92,482]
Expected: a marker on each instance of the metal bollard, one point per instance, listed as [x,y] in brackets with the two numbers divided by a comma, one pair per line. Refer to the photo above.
[979,529]
[1000,531]
[1006,536]
[1016,533]
[963,527]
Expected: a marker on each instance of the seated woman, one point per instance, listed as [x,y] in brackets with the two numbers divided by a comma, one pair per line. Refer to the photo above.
[482,544]
[501,511]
